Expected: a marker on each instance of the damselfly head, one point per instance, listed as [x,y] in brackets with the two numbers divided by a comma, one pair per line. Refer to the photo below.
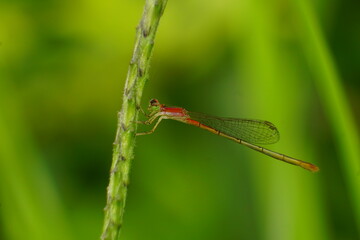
[154,102]
[154,105]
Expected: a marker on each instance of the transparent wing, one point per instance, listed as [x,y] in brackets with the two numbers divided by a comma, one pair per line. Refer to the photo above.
[249,130]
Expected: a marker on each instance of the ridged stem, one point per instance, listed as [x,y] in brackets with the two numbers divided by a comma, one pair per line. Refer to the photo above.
[125,135]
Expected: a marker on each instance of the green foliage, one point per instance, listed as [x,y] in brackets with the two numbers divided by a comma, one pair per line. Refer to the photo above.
[63,67]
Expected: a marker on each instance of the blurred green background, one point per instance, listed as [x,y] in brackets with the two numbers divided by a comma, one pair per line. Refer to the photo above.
[292,62]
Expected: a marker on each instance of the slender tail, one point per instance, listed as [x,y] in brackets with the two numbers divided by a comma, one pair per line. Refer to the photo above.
[282,157]
[278,156]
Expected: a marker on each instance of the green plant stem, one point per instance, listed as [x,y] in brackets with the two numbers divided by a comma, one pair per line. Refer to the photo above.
[125,134]
[333,96]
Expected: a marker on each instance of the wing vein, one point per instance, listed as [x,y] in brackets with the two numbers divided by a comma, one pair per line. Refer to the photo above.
[250,130]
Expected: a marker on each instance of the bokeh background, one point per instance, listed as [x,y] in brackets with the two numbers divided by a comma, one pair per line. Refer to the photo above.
[292,62]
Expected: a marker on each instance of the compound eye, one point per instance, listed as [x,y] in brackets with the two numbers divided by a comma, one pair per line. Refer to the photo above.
[154,102]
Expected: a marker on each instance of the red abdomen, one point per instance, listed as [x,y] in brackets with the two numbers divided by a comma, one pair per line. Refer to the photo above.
[174,111]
